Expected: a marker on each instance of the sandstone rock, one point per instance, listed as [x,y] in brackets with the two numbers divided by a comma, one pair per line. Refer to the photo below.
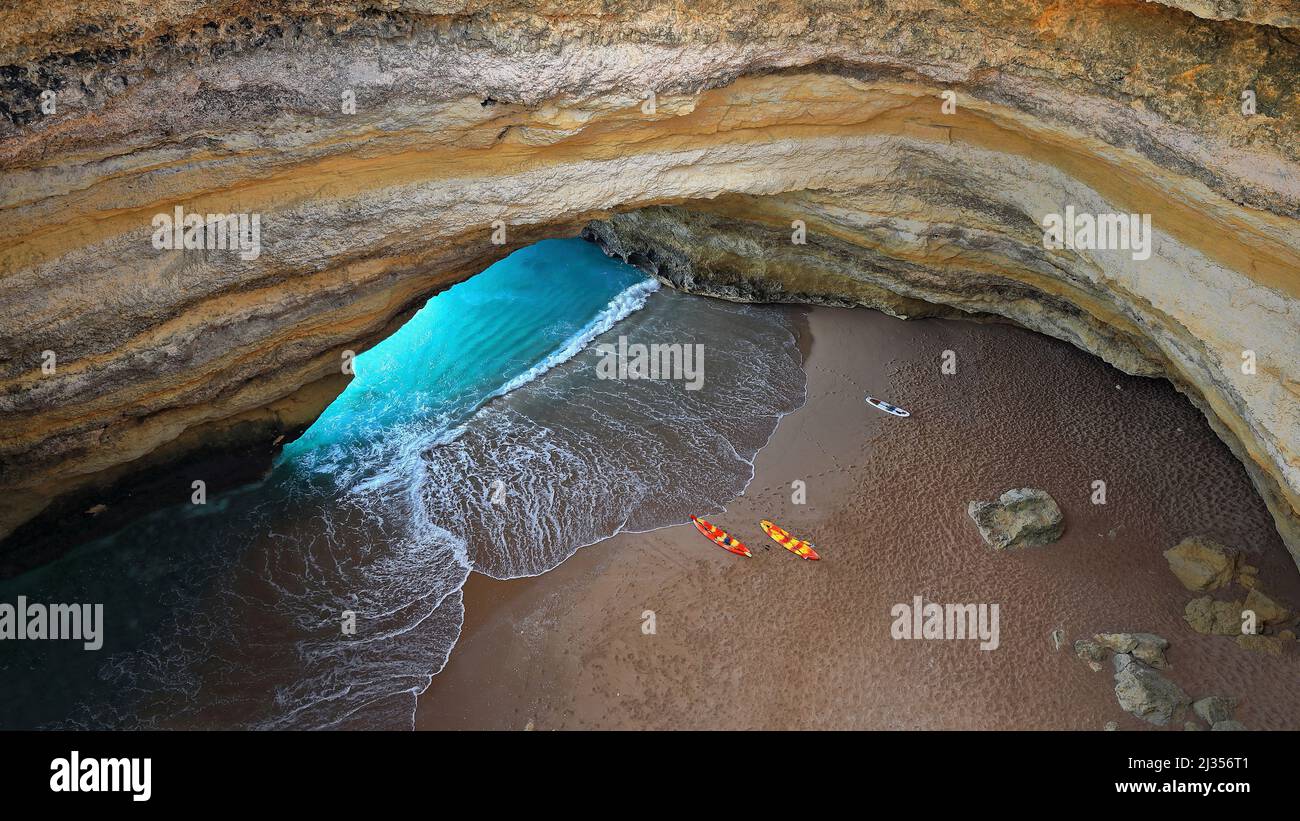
[1022,517]
[1247,576]
[1192,725]
[1213,709]
[1228,725]
[1270,645]
[1281,13]
[1146,693]
[1119,642]
[1267,611]
[1201,564]
[805,108]
[1151,649]
[1091,652]
[1110,727]
[1220,618]
[1146,647]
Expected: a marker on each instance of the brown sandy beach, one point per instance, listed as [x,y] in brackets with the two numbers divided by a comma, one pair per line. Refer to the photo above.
[776,642]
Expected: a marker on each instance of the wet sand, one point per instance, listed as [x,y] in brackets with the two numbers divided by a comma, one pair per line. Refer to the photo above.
[776,642]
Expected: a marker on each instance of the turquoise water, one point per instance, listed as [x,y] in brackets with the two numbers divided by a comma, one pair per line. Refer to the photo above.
[479,339]
[477,438]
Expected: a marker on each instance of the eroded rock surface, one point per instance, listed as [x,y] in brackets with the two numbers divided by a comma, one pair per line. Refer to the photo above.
[1282,13]
[1229,725]
[1145,647]
[1206,615]
[1146,693]
[1213,709]
[1021,517]
[1202,564]
[379,147]
[1266,609]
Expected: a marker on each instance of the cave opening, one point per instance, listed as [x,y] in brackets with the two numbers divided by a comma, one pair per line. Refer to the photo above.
[482,435]
[488,437]
[479,339]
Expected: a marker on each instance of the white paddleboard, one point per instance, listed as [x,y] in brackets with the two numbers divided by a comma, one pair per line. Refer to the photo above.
[886,407]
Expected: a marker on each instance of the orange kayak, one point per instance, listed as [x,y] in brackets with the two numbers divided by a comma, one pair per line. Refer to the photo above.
[721,538]
[798,547]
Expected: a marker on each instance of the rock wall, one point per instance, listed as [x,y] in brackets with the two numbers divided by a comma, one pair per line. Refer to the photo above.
[1281,13]
[379,143]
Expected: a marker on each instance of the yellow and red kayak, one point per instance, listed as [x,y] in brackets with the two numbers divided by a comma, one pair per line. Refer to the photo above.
[798,547]
[721,538]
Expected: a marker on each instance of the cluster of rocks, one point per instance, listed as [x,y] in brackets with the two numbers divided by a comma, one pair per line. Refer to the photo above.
[1022,517]
[1204,566]
[1145,647]
[1140,687]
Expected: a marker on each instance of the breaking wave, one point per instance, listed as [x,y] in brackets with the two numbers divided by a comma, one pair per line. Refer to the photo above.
[476,438]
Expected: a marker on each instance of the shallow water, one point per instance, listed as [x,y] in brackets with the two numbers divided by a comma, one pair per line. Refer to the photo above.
[478,437]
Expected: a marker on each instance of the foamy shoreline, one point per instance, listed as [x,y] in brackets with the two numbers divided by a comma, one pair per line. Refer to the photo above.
[774,642]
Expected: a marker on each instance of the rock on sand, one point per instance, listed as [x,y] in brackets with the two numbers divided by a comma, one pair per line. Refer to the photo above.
[1022,517]
[1146,693]
[1201,564]
[1220,618]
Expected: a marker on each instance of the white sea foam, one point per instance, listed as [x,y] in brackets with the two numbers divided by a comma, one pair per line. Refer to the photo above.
[629,301]
[390,526]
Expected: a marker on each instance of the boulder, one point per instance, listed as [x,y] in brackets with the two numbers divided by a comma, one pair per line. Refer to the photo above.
[1213,709]
[1023,517]
[1201,564]
[1220,618]
[1146,693]
[1151,649]
[1267,611]
[1147,647]
[1119,642]
[1228,725]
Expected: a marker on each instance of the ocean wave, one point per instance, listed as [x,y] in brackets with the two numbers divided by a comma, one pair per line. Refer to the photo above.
[387,524]
[576,459]
[620,307]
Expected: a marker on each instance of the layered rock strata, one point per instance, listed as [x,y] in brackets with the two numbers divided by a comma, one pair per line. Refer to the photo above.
[380,144]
